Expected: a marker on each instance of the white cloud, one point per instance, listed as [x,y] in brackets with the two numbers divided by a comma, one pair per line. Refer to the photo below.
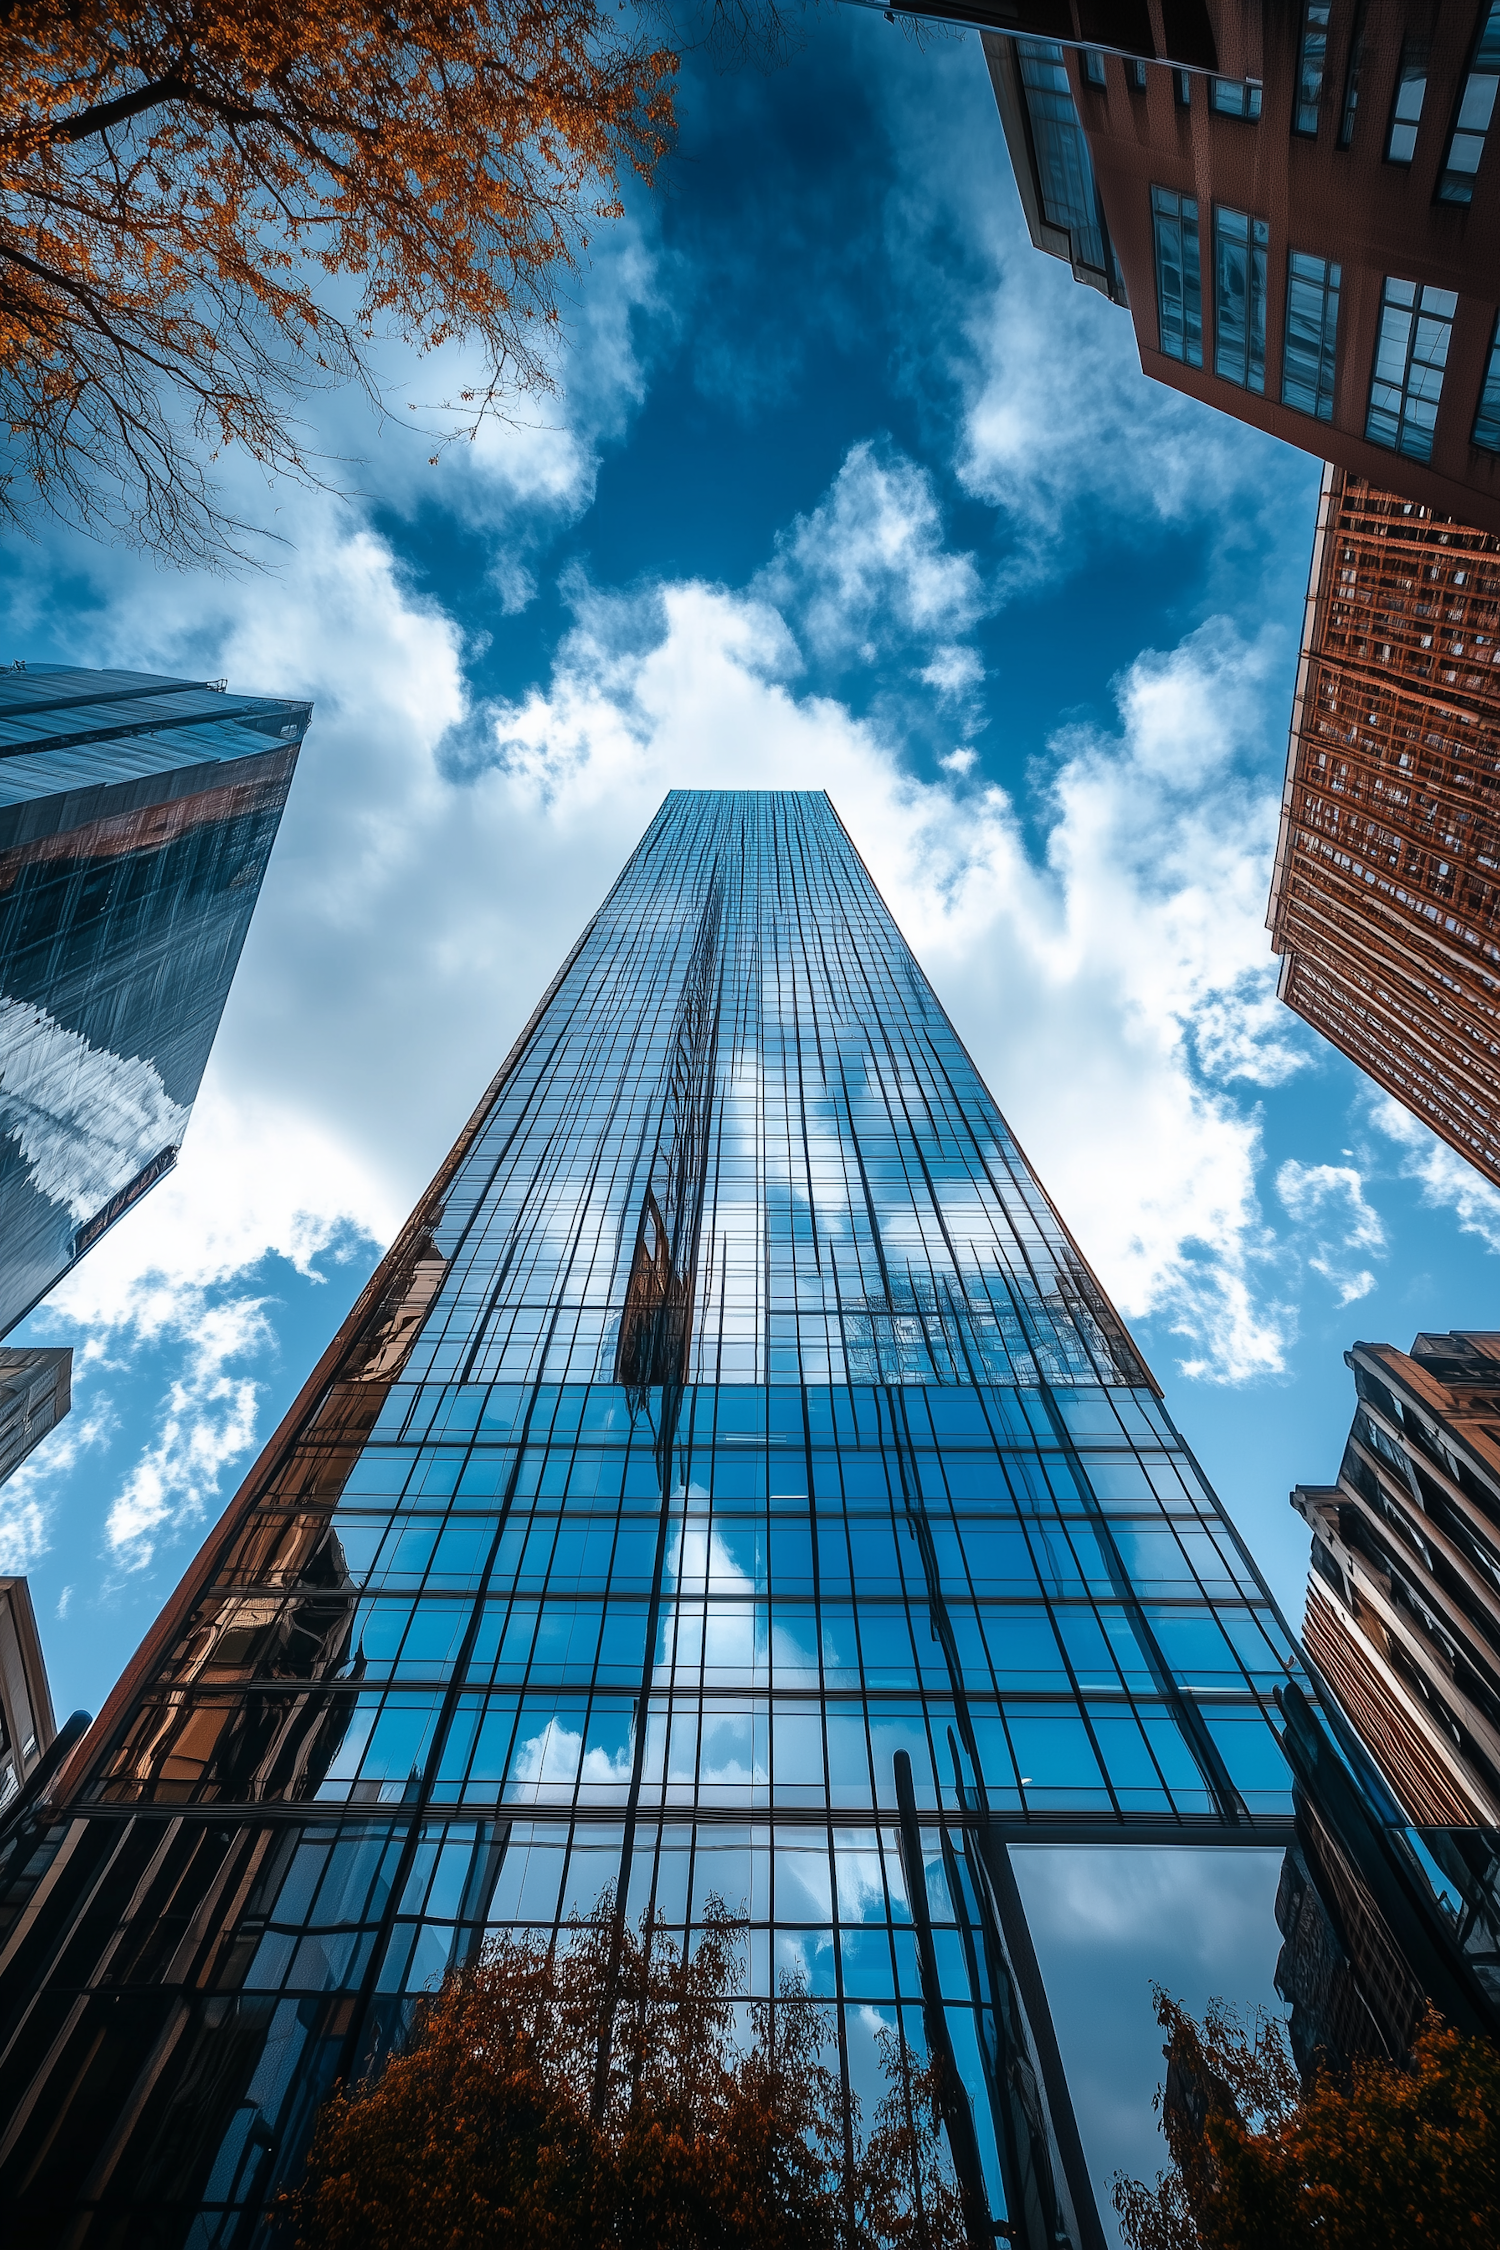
[1112,994]
[1316,1196]
[28,1496]
[435,862]
[870,562]
[1447,1180]
[208,1422]
[954,671]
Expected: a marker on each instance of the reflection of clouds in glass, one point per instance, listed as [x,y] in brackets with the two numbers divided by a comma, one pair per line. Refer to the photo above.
[547,1766]
[86,1120]
[718,1621]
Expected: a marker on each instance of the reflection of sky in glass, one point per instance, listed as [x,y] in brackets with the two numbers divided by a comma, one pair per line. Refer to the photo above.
[687,1642]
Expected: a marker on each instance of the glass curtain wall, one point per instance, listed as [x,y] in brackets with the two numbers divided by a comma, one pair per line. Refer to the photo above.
[733,1483]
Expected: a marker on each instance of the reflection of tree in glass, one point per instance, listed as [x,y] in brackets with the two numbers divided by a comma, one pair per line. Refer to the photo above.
[1385,2156]
[483,2130]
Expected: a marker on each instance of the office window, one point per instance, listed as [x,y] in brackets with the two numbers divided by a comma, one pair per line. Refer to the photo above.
[1183,79]
[1312,327]
[1235,97]
[1311,65]
[1415,325]
[1406,110]
[1179,286]
[1487,420]
[1351,78]
[1138,75]
[1476,106]
[1065,173]
[1240,298]
[1093,66]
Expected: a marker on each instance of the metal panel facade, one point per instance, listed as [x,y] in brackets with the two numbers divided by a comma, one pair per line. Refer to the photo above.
[1385,903]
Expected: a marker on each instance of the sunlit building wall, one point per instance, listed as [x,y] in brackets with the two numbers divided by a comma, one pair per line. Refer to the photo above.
[1385,900]
[733,1483]
[137,814]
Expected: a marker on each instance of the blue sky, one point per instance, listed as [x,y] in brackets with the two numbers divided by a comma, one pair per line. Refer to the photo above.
[843,486]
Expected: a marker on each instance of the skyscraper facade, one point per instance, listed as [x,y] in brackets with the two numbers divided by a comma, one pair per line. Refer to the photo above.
[1403,1600]
[1385,899]
[27,1725]
[1403,1623]
[733,1483]
[137,814]
[36,1391]
[1306,229]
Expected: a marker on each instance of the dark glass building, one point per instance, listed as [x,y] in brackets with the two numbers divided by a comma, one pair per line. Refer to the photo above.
[732,1482]
[1304,221]
[136,818]
[36,1391]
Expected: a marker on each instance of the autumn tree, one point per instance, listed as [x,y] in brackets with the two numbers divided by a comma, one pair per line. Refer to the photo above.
[211,207]
[495,2124]
[1385,2156]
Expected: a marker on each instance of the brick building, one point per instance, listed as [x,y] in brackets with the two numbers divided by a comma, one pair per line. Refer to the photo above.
[1309,241]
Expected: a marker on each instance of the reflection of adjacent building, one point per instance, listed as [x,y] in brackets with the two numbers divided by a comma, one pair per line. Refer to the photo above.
[26,1721]
[1385,901]
[137,815]
[1305,227]
[36,1391]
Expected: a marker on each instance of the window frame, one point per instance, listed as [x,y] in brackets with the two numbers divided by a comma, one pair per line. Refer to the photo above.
[1414,310]
[1185,219]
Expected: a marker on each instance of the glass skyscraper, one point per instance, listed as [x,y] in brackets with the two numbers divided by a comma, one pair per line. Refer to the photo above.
[733,1482]
[137,814]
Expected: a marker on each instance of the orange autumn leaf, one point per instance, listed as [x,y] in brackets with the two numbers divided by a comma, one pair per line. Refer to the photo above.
[211,206]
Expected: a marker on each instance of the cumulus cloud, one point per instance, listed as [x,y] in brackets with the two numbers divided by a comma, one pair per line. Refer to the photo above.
[1114,990]
[1448,1182]
[1327,1202]
[208,1422]
[870,563]
[28,1496]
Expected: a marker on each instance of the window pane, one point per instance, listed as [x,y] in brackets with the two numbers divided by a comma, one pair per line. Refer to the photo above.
[1487,421]
[1069,197]
[1415,325]
[1179,290]
[1476,108]
[1311,65]
[1240,298]
[1312,319]
[1406,110]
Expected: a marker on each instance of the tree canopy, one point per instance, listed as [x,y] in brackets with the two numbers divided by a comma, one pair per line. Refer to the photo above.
[210,207]
[495,2124]
[1389,2156]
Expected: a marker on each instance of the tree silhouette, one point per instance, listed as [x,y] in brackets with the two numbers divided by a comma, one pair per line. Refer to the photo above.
[487,2129]
[1384,2157]
[192,187]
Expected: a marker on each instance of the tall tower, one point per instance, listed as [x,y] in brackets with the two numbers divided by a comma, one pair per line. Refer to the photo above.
[137,815]
[733,1481]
